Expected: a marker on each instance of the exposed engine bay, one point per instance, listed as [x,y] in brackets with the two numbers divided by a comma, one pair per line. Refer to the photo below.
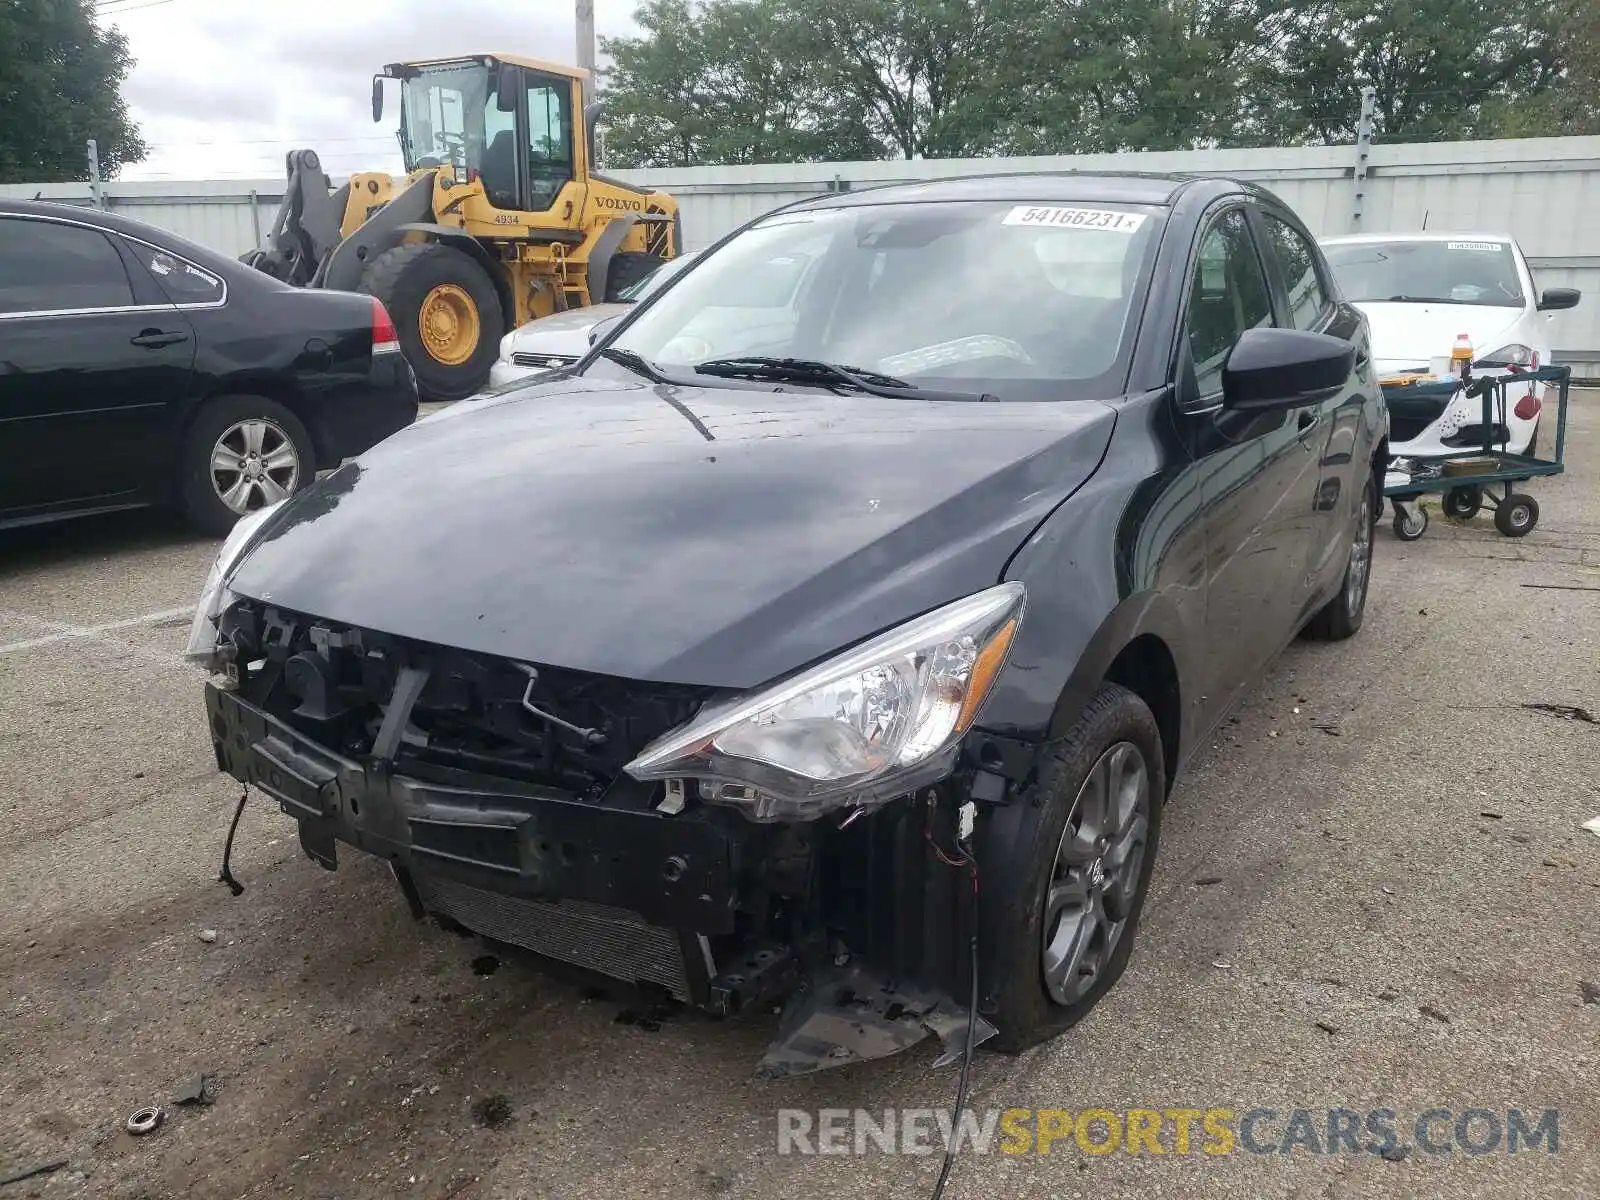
[495,789]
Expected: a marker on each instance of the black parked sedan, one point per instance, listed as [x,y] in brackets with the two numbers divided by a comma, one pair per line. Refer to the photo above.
[749,652]
[137,368]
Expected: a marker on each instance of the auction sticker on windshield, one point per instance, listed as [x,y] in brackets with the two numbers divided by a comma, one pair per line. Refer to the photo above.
[1493,247]
[1074,218]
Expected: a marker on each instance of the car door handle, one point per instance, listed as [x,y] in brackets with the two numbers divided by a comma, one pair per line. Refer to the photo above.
[1306,421]
[155,338]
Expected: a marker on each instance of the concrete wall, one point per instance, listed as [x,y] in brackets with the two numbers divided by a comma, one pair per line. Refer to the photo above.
[1543,191]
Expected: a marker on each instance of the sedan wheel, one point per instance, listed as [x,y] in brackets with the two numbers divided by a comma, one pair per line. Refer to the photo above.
[1097,869]
[240,454]
[253,464]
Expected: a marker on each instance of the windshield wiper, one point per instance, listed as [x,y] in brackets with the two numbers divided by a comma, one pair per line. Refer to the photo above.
[810,370]
[1423,300]
[637,363]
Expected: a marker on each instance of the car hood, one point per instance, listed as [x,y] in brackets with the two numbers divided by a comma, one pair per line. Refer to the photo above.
[716,536]
[562,331]
[1408,335]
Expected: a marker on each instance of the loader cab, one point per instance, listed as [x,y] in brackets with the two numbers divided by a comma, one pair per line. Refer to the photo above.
[513,124]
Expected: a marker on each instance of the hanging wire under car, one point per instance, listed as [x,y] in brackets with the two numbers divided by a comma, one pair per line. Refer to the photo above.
[225,875]
[970,862]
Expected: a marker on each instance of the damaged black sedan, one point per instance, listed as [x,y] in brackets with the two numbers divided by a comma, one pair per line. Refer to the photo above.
[834,643]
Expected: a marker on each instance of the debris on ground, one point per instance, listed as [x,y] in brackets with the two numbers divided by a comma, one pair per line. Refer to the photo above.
[1207,880]
[1565,712]
[1428,1010]
[1395,1153]
[1589,991]
[1493,816]
[1592,825]
[32,1172]
[492,1112]
[195,1090]
[207,936]
[145,1120]
[1388,994]
[485,964]
[1330,1030]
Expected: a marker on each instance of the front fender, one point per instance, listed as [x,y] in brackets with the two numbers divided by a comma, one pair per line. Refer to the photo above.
[1124,557]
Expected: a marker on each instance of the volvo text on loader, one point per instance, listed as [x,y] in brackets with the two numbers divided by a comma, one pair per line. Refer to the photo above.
[499,219]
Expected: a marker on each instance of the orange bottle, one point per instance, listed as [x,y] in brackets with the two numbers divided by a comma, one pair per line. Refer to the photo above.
[1461,357]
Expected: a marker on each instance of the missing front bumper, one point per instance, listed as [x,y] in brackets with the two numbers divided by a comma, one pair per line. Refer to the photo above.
[662,901]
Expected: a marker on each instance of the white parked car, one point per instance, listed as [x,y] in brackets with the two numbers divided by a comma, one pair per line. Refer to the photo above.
[561,339]
[1420,291]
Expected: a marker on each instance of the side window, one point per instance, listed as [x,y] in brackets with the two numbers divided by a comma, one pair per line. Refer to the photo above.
[1227,295]
[549,139]
[180,280]
[46,266]
[1308,300]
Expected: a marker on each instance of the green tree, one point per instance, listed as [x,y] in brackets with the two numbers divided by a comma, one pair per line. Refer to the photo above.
[724,81]
[60,85]
[1441,69]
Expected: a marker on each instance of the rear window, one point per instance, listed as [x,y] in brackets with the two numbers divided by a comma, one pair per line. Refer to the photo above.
[1461,271]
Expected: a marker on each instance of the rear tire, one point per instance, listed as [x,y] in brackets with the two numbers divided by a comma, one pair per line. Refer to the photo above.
[453,344]
[1022,870]
[1341,617]
[223,430]
[627,268]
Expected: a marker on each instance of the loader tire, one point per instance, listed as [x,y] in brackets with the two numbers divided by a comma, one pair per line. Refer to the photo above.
[627,268]
[446,313]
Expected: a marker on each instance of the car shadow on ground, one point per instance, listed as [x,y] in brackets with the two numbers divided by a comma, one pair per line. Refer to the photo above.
[34,547]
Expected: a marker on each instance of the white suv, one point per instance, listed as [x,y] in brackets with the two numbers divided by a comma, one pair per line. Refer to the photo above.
[1420,291]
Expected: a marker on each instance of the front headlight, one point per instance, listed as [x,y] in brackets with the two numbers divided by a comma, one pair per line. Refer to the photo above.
[1514,356]
[874,723]
[214,595]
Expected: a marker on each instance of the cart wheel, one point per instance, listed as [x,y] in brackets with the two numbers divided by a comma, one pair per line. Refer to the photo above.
[1516,515]
[1463,502]
[1410,529]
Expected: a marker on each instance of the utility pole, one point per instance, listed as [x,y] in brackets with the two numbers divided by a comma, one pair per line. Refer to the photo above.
[95,190]
[586,54]
[1358,198]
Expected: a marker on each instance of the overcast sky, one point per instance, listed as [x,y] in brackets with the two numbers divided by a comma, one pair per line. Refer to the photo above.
[223,88]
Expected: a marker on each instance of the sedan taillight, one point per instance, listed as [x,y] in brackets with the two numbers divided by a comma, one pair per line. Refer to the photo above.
[384,338]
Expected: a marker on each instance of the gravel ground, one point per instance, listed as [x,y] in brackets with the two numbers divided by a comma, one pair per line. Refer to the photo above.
[1374,892]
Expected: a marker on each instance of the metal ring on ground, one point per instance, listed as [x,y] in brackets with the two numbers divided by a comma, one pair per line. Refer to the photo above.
[145,1120]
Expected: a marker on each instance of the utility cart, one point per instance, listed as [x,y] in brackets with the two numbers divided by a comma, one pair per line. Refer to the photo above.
[1480,473]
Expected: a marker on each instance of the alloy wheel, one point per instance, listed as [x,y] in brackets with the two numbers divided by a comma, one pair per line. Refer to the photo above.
[1094,884]
[253,464]
[1355,584]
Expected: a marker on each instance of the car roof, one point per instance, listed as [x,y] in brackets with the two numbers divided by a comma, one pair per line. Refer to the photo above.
[1113,187]
[1432,235]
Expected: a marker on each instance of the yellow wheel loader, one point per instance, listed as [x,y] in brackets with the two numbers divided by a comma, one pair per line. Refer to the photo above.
[500,217]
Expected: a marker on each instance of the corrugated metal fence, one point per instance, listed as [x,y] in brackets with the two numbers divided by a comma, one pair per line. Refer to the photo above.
[1543,191]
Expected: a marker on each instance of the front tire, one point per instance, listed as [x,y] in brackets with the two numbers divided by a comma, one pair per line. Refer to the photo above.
[1066,869]
[241,453]
[446,314]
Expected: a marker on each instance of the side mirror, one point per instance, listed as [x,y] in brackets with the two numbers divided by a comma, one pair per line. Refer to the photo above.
[377,98]
[1271,369]
[1555,298]
[507,83]
[600,329]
